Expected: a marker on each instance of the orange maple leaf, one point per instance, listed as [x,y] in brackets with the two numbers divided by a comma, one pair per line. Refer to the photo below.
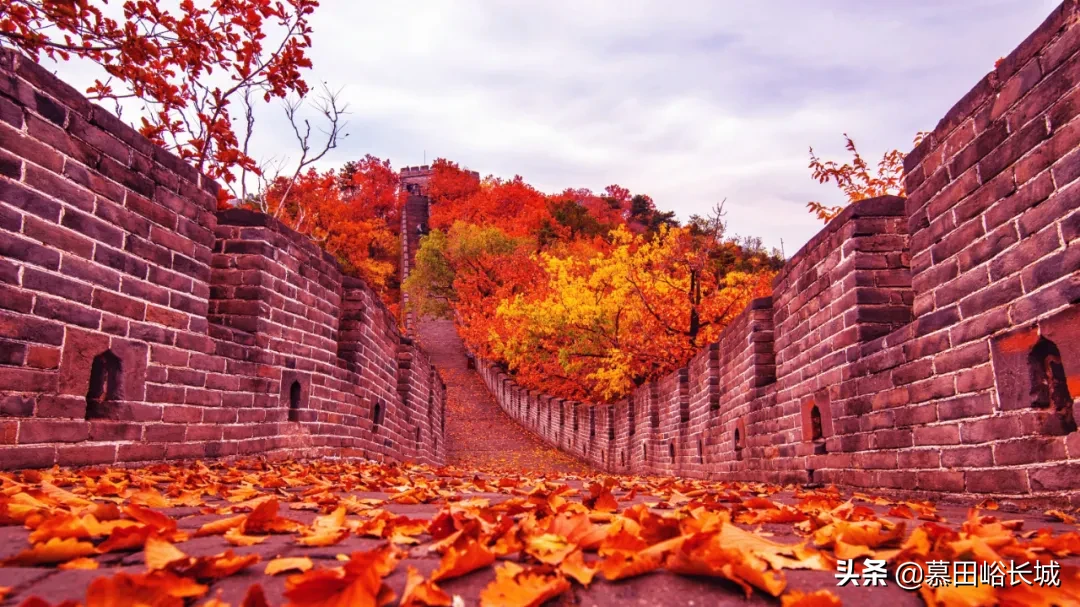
[358,582]
[517,587]
[281,565]
[464,555]
[420,592]
[51,552]
[159,588]
[264,519]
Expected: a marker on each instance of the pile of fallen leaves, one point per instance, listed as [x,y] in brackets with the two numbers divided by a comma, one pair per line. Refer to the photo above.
[543,537]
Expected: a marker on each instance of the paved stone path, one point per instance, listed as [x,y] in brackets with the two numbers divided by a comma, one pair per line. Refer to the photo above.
[657,588]
[480,434]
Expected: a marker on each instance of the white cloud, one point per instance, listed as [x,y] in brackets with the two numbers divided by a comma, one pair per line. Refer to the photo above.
[690,102]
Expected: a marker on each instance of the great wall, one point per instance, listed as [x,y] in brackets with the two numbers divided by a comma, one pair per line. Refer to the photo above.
[928,345]
[138,324]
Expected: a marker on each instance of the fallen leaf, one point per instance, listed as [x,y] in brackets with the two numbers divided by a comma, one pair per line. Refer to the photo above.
[574,566]
[281,565]
[422,592]
[818,598]
[358,582]
[51,552]
[79,563]
[517,587]
[159,588]
[236,538]
[463,556]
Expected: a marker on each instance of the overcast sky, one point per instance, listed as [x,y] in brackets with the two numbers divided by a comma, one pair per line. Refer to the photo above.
[690,102]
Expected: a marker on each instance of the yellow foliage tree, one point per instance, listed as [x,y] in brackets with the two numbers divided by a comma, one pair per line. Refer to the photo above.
[623,316]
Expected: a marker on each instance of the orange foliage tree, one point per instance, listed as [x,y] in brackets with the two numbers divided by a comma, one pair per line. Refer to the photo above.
[511,205]
[354,214]
[857,180]
[581,295]
[186,66]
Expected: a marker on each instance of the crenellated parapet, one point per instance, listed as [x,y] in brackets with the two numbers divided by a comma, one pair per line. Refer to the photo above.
[138,323]
[927,346]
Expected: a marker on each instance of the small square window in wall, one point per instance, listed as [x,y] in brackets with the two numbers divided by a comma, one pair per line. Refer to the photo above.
[295,390]
[100,374]
[817,420]
[1038,367]
[739,439]
[378,415]
[104,390]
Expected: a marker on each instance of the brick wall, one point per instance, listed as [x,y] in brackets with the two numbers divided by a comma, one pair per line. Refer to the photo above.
[138,324]
[927,347]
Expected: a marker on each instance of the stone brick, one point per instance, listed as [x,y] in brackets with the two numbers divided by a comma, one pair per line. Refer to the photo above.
[967,457]
[11,113]
[1029,195]
[85,455]
[90,272]
[965,406]
[1051,268]
[12,352]
[122,262]
[937,320]
[58,238]
[931,389]
[48,431]
[1000,481]
[990,429]
[16,405]
[67,312]
[1060,476]
[42,357]
[56,284]
[94,228]
[997,294]
[61,405]
[947,434]
[940,480]
[25,147]
[28,456]
[26,328]
[118,304]
[1012,149]
[1029,450]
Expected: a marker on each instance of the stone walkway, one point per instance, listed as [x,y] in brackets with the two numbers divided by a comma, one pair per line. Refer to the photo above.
[403,498]
[480,434]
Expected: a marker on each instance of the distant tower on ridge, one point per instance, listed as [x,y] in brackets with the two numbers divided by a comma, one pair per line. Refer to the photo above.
[414,222]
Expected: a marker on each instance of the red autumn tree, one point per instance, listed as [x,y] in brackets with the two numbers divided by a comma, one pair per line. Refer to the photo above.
[512,205]
[187,66]
[354,215]
[372,189]
[857,180]
[449,182]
